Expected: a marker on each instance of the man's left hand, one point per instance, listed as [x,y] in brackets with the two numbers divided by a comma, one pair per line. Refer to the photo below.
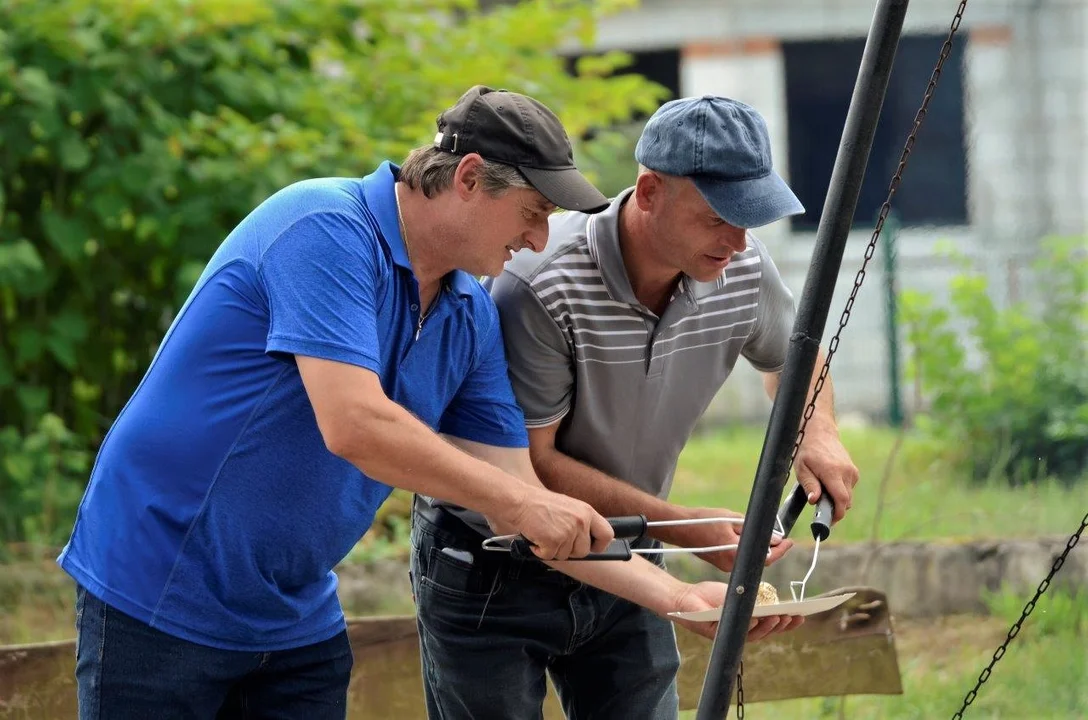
[823,463]
[708,595]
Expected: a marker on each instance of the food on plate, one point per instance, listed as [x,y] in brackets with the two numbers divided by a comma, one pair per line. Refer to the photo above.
[766,595]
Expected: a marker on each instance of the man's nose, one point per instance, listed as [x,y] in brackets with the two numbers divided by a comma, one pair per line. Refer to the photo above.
[736,238]
[537,238]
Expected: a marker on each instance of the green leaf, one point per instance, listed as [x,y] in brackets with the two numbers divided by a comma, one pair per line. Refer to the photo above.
[34,85]
[64,234]
[29,346]
[52,428]
[20,468]
[67,331]
[63,351]
[70,325]
[73,153]
[34,400]
[19,261]
[108,206]
[187,277]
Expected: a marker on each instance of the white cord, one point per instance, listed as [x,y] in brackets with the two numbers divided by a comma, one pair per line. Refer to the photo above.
[802,583]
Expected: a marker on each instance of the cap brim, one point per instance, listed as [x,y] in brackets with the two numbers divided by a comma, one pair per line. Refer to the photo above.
[750,203]
[566,188]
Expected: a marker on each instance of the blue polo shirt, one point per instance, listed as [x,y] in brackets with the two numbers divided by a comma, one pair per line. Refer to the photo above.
[214,511]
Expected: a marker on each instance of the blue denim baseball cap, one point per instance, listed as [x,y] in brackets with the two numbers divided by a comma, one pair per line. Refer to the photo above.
[723,146]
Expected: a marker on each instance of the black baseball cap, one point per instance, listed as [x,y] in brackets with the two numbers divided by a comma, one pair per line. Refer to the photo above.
[517,130]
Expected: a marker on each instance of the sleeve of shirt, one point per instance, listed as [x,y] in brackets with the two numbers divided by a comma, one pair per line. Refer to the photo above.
[484,409]
[322,278]
[541,362]
[766,347]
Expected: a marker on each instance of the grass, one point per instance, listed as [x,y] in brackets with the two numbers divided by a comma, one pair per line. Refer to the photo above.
[924,498]
[1042,676]
[37,603]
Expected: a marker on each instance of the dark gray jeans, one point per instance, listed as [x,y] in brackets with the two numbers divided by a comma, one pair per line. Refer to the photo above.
[490,627]
[127,670]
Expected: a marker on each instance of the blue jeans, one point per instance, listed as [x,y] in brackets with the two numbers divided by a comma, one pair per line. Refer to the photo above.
[491,627]
[127,669]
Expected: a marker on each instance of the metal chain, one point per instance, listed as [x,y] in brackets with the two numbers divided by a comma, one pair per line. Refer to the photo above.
[740,690]
[1015,630]
[893,187]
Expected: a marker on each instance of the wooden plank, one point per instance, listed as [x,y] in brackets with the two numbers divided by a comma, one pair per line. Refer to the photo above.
[849,650]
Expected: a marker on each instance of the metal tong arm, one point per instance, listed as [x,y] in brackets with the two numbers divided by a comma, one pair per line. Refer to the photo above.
[628,529]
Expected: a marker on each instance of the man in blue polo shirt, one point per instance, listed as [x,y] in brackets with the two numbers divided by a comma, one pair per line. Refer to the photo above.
[336,332]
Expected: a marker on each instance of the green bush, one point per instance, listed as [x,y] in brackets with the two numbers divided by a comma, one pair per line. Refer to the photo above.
[134,135]
[37,481]
[1019,408]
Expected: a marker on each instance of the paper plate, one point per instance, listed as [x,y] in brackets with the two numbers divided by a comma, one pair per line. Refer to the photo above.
[805,607]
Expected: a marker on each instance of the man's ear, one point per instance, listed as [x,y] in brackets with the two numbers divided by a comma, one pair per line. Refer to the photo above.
[650,190]
[466,179]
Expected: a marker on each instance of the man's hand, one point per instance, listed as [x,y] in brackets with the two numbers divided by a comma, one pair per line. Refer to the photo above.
[557,526]
[711,534]
[709,595]
[823,463]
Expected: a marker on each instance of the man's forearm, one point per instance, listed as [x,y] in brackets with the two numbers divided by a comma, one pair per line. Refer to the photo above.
[401,451]
[637,580]
[562,473]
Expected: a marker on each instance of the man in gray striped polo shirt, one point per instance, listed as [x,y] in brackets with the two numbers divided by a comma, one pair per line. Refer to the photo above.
[618,336]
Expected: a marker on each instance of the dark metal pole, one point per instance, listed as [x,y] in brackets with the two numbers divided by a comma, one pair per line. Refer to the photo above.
[835,223]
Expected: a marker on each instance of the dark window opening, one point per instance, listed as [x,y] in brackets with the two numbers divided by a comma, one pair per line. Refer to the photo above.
[820,78]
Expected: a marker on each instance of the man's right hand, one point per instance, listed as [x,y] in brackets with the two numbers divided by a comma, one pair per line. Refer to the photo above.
[711,534]
[558,526]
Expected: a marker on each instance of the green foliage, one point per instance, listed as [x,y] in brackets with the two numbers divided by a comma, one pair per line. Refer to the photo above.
[134,135]
[390,534]
[1010,395]
[39,481]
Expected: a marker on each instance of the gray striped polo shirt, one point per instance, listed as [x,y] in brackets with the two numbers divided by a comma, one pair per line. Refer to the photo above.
[628,386]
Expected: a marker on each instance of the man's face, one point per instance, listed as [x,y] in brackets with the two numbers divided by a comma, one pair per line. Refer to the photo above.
[687,235]
[503,224]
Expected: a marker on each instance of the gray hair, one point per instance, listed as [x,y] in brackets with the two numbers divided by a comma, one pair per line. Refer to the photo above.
[431,170]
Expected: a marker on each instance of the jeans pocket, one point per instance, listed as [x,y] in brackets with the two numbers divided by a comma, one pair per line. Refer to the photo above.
[456,575]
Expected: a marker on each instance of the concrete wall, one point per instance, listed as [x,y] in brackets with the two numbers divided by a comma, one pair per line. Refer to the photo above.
[924,579]
[1026,79]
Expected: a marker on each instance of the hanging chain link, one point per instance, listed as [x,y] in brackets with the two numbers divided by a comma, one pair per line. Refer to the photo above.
[1015,630]
[893,187]
[740,690]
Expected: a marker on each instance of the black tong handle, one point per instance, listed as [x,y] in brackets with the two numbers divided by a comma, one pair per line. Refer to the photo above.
[627,529]
[796,502]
